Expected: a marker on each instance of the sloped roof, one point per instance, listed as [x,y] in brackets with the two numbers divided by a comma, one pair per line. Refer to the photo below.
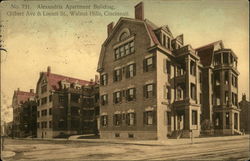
[150,27]
[54,80]
[206,53]
[22,96]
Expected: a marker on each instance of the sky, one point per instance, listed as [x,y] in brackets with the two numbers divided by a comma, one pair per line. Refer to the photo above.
[71,44]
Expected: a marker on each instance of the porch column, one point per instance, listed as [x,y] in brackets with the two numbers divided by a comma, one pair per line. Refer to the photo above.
[187,120]
[187,60]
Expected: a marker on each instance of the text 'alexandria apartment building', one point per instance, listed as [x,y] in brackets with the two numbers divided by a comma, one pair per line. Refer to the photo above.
[66,106]
[153,86]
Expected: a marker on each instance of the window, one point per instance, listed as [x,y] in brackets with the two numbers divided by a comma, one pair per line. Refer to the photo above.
[132,47]
[226,77]
[117,97]
[61,99]
[130,119]
[168,43]
[149,90]
[123,36]
[104,99]
[117,53]
[50,111]
[38,113]
[130,71]
[44,112]
[179,93]
[200,98]
[164,40]
[44,88]
[117,135]
[50,124]
[194,117]
[226,97]
[234,99]
[61,123]
[192,68]
[127,49]
[227,120]
[117,75]
[149,117]
[38,125]
[225,58]
[104,120]
[169,118]
[217,59]
[44,100]
[193,91]
[50,98]
[117,119]
[75,97]
[130,135]
[149,64]
[234,81]
[130,93]
[168,67]
[124,50]
[44,124]
[38,102]
[104,79]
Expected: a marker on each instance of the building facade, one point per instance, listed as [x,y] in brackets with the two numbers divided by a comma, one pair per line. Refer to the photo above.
[66,106]
[152,84]
[24,114]
[244,114]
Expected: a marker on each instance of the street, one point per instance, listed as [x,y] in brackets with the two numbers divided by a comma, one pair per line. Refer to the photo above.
[213,148]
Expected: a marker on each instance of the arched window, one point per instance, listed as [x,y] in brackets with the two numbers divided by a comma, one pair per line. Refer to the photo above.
[123,36]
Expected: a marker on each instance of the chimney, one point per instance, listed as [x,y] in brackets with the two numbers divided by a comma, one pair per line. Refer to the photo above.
[244,98]
[48,70]
[110,28]
[139,11]
[96,78]
[31,90]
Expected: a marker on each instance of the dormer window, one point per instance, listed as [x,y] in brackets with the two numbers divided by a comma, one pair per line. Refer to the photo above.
[166,41]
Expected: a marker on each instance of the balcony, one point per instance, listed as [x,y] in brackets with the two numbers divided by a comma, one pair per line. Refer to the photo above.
[180,78]
[181,102]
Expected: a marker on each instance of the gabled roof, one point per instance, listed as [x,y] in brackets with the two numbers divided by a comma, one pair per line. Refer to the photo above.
[54,80]
[150,27]
[206,52]
[22,96]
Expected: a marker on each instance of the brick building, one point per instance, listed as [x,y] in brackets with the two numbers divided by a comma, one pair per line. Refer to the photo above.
[24,114]
[152,85]
[66,105]
[220,88]
[245,113]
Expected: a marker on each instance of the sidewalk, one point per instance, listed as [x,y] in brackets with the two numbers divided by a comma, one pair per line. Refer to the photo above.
[7,154]
[181,141]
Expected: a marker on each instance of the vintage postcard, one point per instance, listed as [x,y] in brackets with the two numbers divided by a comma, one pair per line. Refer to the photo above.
[124,79]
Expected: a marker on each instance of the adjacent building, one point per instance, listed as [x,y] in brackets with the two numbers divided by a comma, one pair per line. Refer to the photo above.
[244,115]
[153,86]
[24,114]
[66,105]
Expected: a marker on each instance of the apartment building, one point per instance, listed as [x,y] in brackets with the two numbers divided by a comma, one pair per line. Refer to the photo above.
[24,113]
[153,86]
[66,105]
[220,88]
[244,114]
